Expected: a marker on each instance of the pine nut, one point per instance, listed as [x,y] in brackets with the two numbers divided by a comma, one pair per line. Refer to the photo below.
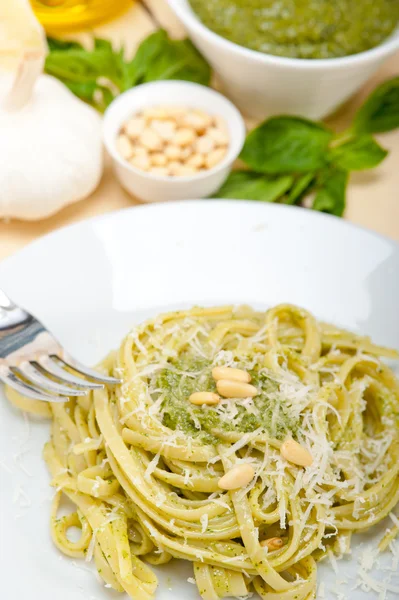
[204,144]
[272,543]
[231,374]
[219,136]
[196,121]
[158,159]
[195,160]
[150,139]
[140,162]
[135,127]
[156,112]
[165,129]
[215,157]
[235,389]
[177,112]
[296,454]
[186,153]
[140,151]
[238,477]
[184,137]
[174,167]
[124,147]
[207,118]
[200,398]
[172,152]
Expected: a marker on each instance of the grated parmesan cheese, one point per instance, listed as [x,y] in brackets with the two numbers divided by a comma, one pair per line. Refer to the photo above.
[90,548]
[152,465]
[204,522]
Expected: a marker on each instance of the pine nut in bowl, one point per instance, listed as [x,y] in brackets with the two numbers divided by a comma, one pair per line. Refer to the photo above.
[172,140]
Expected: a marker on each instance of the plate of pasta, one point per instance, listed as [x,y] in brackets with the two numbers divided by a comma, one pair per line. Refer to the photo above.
[252,448]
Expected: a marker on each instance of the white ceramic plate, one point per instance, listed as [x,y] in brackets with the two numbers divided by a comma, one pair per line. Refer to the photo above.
[91,282]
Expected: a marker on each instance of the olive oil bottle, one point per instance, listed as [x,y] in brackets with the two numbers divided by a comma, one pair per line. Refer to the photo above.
[62,16]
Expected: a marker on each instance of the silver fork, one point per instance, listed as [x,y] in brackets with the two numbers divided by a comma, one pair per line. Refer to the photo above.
[34,363]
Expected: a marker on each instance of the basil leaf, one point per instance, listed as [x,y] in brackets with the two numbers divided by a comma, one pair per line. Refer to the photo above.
[157,57]
[56,44]
[101,44]
[85,90]
[299,188]
[331,196]
[147,52]
[380,112]
[78,65]
[359,153]
[246,185]
[287,145]
[179,59]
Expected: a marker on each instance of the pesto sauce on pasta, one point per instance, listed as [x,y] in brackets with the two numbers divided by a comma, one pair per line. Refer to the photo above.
[269,410]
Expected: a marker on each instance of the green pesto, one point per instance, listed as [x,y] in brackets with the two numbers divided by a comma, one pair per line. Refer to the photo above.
[301,28]
[180,414]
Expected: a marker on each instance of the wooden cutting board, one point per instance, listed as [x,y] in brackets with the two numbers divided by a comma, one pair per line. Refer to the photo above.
[373,197]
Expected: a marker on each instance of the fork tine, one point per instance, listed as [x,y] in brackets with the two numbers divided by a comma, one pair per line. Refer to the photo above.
[58,379]
[29,371]
[87,372]
[29,390]
[50,365]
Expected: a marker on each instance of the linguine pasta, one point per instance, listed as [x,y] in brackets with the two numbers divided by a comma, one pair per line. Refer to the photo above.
[142,464]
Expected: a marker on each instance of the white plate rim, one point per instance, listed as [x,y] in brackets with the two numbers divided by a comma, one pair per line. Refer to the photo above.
[313,214]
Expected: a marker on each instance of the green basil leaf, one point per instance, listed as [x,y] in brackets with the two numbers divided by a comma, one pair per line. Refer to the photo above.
[179,59]
[99,97]
[286,145]
[85,91]
[246,185]
[331,196]
[157,57]
[300,187]
[70,65]
[56,44]
[380,112]
[147,52]
[101,44]
[357,154]
[80,68]
[79,65]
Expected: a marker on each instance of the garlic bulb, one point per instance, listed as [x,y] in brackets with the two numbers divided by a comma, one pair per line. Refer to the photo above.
[50,143]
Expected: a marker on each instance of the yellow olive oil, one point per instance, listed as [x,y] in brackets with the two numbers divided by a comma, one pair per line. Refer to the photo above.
[62,16]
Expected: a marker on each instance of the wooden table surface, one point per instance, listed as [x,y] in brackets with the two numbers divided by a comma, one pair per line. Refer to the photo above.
[373,197]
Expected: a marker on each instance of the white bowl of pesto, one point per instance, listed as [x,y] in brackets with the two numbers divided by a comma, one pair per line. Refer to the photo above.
[263,84]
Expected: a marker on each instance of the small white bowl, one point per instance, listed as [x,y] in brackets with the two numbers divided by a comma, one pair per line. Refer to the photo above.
[264,85]
[150,187]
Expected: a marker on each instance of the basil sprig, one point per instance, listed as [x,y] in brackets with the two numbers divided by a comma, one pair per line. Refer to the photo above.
[316,161]
[98,75]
